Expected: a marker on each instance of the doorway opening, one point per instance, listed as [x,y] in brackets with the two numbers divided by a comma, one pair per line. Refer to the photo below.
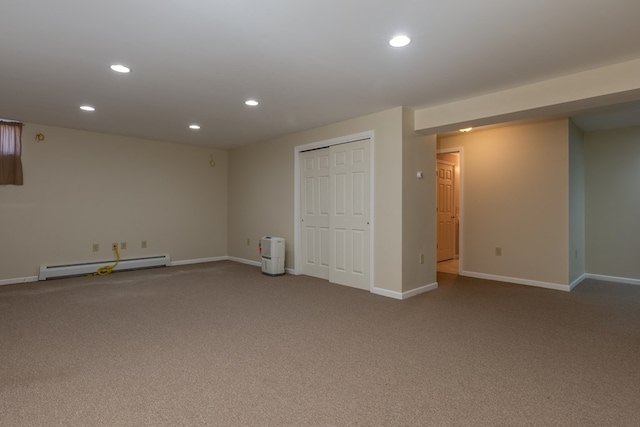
[449,211]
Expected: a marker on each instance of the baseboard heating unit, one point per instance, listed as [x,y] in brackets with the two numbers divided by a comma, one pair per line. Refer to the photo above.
[57,271]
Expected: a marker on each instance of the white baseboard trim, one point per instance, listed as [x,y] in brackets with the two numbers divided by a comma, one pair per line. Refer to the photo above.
[171,264]
[420,290]
[245,261]
[612,279]
[198,260]
[259,264]
[577,281]
[404,295]
[386,293]
[18,280]
[517,281]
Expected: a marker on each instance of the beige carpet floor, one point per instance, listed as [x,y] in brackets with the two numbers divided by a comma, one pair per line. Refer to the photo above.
[221,344]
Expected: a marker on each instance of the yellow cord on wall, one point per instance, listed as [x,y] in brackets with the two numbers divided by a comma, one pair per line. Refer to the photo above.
[107,269]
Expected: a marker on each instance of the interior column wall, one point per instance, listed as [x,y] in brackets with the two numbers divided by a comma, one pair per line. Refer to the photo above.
[612,178]
[576,203]
[418,207]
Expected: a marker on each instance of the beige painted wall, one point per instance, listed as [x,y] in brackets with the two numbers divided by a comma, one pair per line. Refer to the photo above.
[82,188]
[261,187]
[515,196]
[418,206]
[576,203]
[612,177]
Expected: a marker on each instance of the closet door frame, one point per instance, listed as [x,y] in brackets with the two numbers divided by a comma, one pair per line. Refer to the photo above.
[297,217]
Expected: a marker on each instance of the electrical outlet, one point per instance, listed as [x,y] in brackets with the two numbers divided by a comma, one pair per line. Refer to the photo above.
[143,244]
[96,247]
[421,258]
[123,245]
[114,245]
[498,251]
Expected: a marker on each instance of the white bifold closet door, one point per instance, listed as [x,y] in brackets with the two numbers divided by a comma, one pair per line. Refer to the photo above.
[335,205]
[314,206]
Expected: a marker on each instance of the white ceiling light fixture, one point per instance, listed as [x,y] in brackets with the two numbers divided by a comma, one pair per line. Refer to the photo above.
[87,108]
[466,130]
[251,102]
[400,41]
[194,127]
[119,68]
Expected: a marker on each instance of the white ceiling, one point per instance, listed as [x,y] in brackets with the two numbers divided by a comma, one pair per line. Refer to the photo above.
[308,62]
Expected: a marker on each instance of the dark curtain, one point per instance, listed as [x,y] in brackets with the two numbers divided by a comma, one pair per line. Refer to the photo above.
[10,153]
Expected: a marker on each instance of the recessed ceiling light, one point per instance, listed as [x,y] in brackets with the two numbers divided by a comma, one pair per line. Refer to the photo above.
[400,41]
[465,129]
[251,102]
[194,127]
[87,108]
[120,68]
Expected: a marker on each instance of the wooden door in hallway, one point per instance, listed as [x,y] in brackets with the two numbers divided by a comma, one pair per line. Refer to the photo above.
[445,210]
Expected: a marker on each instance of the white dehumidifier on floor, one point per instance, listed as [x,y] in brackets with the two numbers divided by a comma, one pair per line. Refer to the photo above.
[272,255]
